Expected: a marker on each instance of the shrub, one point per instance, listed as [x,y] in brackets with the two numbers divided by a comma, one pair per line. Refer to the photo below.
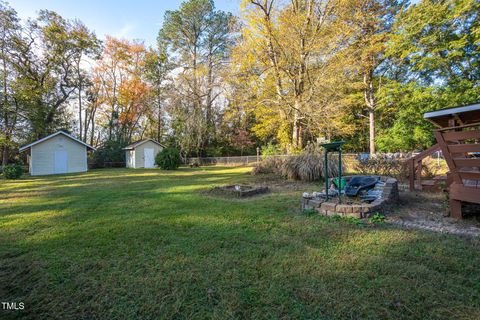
[195,163]
[383,166]
[168,159]
[271,150]
[269,165]
[377,218]
[12,171]
[111,152]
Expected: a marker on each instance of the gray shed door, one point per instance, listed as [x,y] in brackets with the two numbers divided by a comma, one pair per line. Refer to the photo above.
[149,158]
[60,161]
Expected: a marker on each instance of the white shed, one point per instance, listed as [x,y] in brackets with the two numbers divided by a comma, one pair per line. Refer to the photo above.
[142,154]
[56,154]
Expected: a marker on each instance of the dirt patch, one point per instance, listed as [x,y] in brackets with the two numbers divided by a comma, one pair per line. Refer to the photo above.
[428,211]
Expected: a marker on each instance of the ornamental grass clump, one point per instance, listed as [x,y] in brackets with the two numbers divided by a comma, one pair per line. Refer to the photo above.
[309,167]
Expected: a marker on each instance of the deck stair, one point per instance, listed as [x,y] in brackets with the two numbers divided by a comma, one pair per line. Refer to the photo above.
[458,136]
[459,145]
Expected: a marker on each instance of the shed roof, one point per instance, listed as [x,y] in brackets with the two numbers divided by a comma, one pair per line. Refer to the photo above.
[54,135]
[465,114]
[136,144]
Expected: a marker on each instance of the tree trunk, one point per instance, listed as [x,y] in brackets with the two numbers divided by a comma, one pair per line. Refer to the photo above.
[92,134]
[296,129]
[110,125]
[159,123]
[80,101]
[371,117]
[86,122]
[5,110]
[209,102]
[370,101]
[5,156]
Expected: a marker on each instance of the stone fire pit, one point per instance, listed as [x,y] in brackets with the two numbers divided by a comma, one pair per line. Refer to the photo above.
[355,208]
[240,191]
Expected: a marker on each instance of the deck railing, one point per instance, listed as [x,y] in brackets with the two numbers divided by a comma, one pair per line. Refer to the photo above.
[415,166]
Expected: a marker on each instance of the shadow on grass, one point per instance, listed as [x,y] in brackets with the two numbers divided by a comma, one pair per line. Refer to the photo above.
[196,266]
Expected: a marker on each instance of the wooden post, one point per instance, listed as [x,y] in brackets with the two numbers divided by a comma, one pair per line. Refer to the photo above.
[411,168]
[326,173]
[339,175]
[456,209]
[419,174]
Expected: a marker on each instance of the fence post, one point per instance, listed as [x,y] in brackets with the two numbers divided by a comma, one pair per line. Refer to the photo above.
[411,167]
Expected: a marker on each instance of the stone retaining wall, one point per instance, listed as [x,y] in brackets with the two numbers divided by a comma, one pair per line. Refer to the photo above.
[364,210]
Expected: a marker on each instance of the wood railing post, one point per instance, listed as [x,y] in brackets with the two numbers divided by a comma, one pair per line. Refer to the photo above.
[419,174]
[415,166]
[411,175]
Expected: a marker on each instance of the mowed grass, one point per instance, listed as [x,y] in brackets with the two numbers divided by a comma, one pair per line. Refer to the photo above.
[150,244]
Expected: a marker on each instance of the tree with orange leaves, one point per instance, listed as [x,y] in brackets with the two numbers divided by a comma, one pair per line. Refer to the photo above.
[125,91]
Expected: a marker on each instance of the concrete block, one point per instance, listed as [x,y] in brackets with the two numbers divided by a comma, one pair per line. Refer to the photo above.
[328,206]
[315,203]
[343,208]
[358,215]
[331,213]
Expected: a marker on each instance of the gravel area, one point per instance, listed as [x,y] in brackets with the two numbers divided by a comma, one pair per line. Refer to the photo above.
[428,211]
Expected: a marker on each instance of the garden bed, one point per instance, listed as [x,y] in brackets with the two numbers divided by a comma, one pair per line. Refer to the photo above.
[352,206]
[239,191]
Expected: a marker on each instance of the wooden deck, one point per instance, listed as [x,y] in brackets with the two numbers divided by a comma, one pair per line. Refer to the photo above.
[459,145]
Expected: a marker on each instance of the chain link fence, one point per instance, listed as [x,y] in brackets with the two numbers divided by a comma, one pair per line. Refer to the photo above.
[249,160]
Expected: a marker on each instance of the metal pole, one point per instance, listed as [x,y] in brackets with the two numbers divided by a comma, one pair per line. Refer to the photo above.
[326,172]
[340,174]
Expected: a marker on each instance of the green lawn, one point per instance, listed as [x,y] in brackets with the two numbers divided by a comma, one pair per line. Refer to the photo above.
[150,244]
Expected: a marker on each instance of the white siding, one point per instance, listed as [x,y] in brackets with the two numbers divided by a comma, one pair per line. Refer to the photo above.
[42,155]
[129,158]
[140,155]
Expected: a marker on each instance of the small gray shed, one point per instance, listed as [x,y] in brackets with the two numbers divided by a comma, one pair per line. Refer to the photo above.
[57,153]
[142,154]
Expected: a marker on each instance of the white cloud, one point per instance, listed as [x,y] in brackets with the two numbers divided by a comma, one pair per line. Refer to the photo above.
[125,31]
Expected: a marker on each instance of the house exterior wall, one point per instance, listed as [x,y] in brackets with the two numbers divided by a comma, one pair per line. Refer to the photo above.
[140,155]
[42,155]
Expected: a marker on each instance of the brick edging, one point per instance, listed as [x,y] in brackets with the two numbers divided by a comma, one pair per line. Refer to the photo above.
[389,196]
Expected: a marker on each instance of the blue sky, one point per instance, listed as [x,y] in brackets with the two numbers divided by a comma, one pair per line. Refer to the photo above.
[137,19]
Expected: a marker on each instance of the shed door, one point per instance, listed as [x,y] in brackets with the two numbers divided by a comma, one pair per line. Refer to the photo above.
[60,161]
[149,158]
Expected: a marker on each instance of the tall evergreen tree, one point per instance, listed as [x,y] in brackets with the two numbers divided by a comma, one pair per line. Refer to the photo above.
[196,37]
